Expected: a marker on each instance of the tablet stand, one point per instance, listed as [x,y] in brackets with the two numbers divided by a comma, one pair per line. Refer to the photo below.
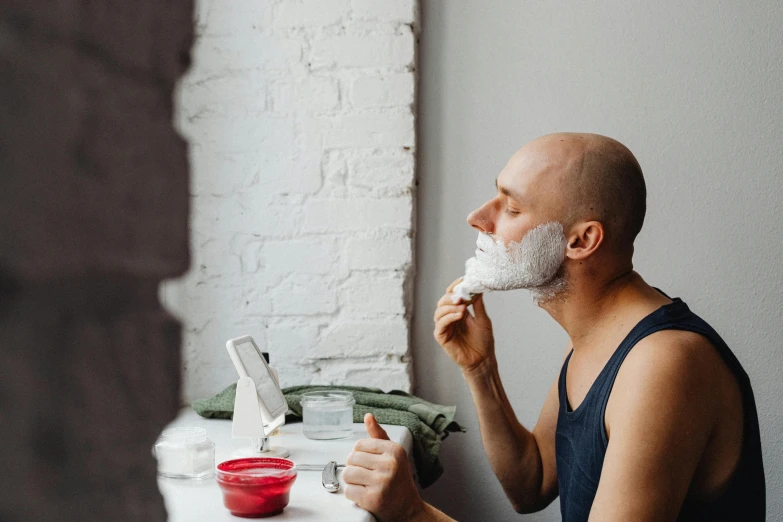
[250,423]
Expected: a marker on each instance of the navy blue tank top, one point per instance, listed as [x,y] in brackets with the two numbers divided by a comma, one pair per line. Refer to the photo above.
[581,441]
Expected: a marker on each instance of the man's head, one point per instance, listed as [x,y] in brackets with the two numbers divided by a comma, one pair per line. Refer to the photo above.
[590,184]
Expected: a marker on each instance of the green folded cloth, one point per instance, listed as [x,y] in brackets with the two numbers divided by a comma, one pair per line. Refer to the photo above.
[429,423]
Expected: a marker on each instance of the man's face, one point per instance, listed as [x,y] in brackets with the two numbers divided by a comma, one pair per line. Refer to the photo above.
[521,242]
[526,197]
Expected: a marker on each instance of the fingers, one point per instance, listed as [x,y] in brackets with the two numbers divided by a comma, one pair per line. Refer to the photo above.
[447,309]
[446,300]
[466,302]
[446,321]
[373,428]
[453,284]
[379,452]
[367,498]
[355,493]
[363,460]
[448,297]
[478,307]
[358,476]
[375,446]
[386,488]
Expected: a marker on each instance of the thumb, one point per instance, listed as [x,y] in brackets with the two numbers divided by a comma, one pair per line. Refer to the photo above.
[478,307]
[373,428]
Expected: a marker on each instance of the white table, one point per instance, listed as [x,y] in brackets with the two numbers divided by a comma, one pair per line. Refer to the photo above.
[195,501]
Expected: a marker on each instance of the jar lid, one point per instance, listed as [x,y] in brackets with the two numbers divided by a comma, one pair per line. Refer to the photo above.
[327,399]
[255,469]
[183,436]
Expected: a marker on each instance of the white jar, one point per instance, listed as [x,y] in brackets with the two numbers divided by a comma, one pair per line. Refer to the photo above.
[185,453]
[327,414]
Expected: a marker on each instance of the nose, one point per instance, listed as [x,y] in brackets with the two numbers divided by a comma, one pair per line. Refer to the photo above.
[482,218]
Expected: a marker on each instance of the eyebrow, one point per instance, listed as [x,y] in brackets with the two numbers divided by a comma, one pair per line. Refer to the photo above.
[510,193]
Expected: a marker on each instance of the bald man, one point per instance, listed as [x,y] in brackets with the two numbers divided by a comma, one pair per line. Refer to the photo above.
[651,418]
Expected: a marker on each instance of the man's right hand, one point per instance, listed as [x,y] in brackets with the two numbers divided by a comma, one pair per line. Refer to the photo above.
[467,338]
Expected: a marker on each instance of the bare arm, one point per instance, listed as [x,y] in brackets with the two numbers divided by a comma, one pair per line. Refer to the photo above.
[659,426]
[377,476]
[523,461]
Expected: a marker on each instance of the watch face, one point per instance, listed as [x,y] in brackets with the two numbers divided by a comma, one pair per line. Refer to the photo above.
[266,387]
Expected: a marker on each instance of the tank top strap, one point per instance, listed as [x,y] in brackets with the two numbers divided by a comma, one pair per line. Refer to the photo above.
[654,322]
[664,318]
[561,385]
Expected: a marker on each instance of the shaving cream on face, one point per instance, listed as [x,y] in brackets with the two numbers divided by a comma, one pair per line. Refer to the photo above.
[532,263]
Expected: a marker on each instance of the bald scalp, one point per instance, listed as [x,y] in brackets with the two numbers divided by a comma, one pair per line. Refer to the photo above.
[604,183]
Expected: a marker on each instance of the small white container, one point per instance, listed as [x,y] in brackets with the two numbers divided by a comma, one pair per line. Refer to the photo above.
[185,453]
[327,415]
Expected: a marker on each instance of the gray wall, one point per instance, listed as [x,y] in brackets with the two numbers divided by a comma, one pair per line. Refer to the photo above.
[696,92]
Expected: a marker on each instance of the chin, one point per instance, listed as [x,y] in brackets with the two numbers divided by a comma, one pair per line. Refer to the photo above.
[548,292]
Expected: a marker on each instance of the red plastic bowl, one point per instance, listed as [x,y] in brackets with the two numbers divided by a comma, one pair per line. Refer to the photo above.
[256,487]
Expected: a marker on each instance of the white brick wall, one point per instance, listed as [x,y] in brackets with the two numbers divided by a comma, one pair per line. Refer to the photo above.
[300,118]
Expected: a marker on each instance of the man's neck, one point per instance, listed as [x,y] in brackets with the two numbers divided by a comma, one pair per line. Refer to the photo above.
[586,307]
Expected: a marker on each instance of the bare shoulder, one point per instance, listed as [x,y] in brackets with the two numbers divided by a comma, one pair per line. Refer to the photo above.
[670,371]
[671,354]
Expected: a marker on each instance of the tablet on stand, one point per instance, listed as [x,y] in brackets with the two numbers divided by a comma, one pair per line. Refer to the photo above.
[259,406]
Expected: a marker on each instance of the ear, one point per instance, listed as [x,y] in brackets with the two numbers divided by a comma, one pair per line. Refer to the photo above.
[584,239]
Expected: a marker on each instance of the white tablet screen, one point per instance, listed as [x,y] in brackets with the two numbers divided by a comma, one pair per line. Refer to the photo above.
[265,385]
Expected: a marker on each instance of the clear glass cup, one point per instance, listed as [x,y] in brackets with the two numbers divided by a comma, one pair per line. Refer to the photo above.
[185,453]
[327,415]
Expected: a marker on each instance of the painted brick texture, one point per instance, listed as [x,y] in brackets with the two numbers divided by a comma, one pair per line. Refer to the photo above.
[300,115]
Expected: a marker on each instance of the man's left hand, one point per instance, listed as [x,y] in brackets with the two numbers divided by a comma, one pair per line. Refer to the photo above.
[378,477]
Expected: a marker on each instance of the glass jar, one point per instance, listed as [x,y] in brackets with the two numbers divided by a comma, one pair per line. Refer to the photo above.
[256,487]
[185,453]
[327,414]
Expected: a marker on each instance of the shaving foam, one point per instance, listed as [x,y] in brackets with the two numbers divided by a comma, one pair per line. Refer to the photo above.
[532,263]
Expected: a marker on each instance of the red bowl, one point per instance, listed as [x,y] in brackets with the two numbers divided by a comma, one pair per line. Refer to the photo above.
[256,487]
